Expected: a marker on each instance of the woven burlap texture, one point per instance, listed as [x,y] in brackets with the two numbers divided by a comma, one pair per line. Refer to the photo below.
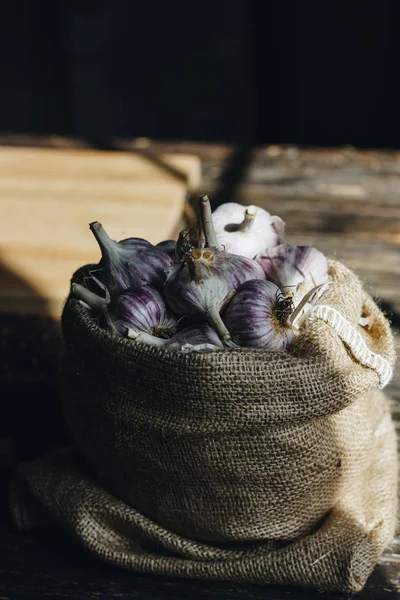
[241,465]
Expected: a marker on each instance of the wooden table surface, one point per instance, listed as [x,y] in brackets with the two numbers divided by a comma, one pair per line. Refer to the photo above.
[344,202]
[49,196]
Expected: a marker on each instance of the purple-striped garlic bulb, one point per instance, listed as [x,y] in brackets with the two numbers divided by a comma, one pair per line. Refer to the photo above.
[295,269]
[129,263]
[258,316]
[246,230]
[142,309]
[196,288]
[206,278]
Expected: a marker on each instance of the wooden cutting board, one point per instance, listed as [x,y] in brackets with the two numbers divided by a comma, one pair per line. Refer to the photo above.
[49,196]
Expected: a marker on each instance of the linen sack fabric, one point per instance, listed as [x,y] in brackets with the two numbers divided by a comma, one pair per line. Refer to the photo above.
[240,465]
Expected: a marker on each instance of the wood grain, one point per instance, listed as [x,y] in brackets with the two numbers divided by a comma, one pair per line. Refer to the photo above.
[48,197]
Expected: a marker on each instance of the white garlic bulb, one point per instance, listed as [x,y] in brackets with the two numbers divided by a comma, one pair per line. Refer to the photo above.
[246,231]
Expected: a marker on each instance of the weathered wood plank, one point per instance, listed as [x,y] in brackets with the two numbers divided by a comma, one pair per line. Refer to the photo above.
[47,199]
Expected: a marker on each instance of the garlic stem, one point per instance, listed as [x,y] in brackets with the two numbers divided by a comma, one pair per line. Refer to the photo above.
[108,247]
[201,238]
[95,302]
[249,216]
[299,315]
[206,220]
[147,338]
[100,284]
[214,319]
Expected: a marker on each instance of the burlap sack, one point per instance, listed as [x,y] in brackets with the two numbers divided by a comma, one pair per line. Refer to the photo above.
[241,465]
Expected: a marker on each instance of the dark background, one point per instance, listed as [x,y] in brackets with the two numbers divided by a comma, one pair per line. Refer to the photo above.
[308,73]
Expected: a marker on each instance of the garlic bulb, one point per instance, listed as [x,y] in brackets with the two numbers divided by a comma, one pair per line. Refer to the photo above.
[258,316]
[129,263]
[143,309]
[295,269]
[246,231]
[140,309]
[206,278]
[195,288]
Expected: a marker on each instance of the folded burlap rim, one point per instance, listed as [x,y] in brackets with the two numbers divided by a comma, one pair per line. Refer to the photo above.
[317,364]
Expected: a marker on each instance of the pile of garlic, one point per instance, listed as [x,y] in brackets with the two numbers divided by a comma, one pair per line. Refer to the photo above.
[231,281]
